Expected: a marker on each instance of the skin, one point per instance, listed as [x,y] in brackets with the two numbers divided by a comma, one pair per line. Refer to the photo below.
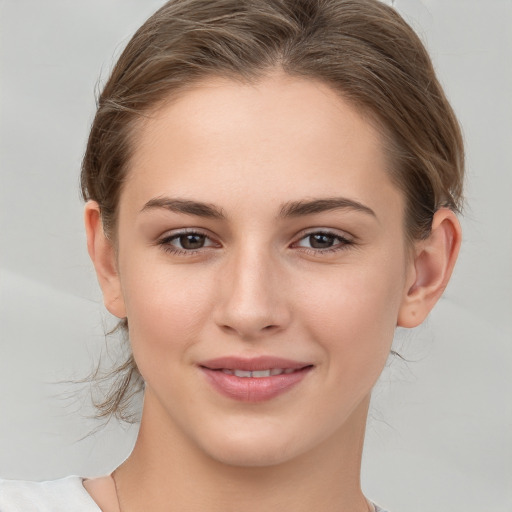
[258,286]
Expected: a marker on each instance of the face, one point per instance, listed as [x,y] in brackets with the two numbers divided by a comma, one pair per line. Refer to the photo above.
[258,230]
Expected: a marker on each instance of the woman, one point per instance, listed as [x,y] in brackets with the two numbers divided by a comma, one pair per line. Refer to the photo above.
[271,190]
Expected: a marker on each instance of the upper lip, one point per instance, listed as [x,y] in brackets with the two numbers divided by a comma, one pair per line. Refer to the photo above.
[252,364]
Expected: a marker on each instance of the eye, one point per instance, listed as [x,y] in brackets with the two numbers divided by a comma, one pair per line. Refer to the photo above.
[190,241]
[322,240]
[186,242]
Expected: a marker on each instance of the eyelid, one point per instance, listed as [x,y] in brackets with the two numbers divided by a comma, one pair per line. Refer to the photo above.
[345,240]
[165,240]
[185,231]
[345,235]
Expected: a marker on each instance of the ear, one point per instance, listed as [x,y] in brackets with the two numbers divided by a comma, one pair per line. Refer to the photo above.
[434,259]
[102,253]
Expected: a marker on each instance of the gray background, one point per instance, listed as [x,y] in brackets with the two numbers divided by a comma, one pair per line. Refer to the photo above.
[439,435]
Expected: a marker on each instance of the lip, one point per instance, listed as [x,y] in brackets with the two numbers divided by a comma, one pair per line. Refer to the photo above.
[253,389]
[253,363]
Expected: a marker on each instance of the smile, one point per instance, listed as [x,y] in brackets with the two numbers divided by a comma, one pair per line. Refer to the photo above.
[256,379]
[257,373]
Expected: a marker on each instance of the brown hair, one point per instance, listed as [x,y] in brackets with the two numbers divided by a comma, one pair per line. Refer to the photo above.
[361,48]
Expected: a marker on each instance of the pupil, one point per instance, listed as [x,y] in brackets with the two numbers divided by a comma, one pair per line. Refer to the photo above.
[321,241]
[192,241]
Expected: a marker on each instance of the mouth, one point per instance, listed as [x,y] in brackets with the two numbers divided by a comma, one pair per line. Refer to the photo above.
[254,380]
[254,365]
[258,374]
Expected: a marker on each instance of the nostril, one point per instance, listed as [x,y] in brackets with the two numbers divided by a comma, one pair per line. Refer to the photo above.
[228,328]
[249,331]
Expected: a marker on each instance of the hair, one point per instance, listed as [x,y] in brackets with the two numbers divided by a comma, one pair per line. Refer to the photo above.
[363,49]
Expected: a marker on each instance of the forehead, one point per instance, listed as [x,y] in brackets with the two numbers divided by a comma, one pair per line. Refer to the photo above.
[282,136]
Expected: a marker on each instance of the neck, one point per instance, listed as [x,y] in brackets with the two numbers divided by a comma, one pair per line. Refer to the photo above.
[166,471]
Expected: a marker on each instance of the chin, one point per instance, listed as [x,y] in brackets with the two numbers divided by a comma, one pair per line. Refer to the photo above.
[256,447]
[254,456]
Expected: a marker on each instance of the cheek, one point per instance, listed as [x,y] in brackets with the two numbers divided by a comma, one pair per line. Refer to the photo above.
[353,314]
[165,309]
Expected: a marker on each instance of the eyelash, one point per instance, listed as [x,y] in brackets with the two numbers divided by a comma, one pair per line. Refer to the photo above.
[165,243]
[342,243]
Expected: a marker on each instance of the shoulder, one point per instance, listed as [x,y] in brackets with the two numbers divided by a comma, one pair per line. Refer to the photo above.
[50,496]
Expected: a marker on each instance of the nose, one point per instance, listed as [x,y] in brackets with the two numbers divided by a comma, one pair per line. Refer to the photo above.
[252,300]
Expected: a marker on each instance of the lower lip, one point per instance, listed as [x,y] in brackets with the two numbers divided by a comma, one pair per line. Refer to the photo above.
[254,389]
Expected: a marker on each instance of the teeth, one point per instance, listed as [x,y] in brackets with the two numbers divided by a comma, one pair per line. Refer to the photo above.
[257,373]
[262,373]
[242,373]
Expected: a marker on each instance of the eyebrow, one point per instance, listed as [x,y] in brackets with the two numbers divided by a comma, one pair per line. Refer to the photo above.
[312,206]
[185,206]
[290,209]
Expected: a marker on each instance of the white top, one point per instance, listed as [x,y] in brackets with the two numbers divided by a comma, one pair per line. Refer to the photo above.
[51,496]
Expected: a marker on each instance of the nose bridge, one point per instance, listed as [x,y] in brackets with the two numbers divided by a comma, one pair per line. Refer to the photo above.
[251,302]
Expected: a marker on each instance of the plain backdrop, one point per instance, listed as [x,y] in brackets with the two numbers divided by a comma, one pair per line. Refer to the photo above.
[440,430]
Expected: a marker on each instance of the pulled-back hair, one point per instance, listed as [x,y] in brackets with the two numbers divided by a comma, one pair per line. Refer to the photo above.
[362,49]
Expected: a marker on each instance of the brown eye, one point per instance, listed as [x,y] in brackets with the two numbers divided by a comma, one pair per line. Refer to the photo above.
[186,242]
[190,241]
[321,241]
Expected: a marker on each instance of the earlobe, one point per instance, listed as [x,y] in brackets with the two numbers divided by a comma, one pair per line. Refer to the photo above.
[102,253]
[433,264]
